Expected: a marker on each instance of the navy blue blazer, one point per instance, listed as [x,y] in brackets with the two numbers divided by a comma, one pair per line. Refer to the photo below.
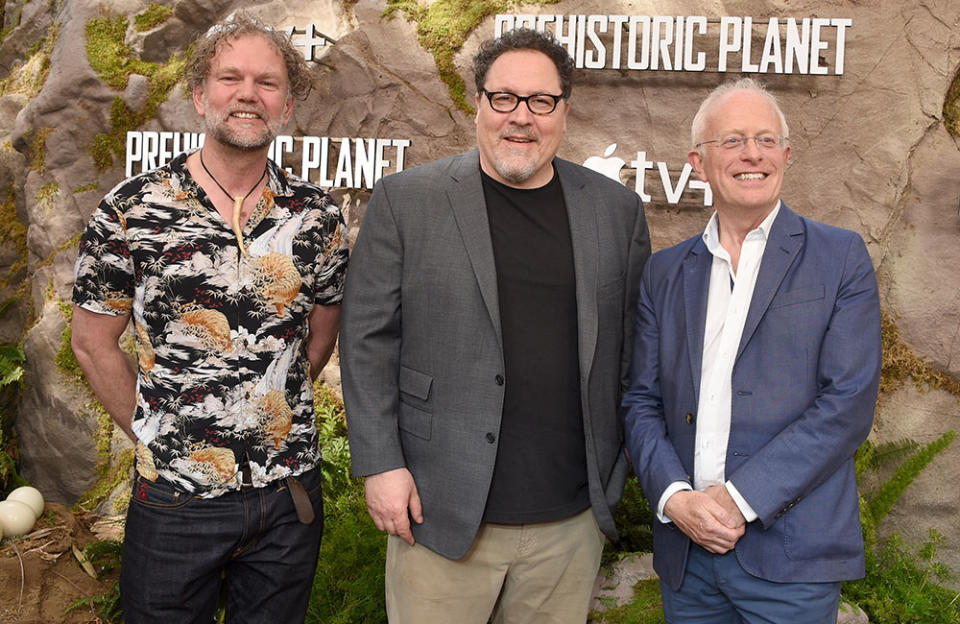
[804,389]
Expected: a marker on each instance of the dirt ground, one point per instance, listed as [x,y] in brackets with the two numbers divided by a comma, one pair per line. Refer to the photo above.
[40,575]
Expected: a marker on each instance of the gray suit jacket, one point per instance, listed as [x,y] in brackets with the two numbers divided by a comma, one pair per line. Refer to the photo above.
[421,349]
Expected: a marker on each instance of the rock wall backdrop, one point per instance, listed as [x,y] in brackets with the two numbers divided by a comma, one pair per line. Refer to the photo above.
[875,149]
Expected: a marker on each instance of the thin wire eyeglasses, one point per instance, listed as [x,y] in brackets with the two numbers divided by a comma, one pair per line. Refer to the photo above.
[537,103]
[736,141]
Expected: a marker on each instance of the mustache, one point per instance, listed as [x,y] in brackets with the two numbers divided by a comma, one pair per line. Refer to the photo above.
[247,109]
[518,131]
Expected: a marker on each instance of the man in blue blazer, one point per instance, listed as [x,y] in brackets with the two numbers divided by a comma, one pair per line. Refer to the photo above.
[755,371]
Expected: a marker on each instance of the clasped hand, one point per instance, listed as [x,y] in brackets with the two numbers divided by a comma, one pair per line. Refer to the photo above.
[711,519]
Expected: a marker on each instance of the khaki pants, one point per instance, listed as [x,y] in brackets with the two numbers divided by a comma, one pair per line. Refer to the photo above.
[521,574]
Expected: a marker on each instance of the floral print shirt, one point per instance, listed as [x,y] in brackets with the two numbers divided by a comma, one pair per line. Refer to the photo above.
[220,334]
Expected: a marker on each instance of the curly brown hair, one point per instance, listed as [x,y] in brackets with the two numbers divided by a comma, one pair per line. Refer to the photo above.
[524,39]
[207,45]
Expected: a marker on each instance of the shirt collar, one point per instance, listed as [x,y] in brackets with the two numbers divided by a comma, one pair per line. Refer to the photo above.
[711,234]
[277,180]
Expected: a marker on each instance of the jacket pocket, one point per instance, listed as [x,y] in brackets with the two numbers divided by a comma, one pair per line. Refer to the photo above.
[799,295]
[414,383]
[415,421]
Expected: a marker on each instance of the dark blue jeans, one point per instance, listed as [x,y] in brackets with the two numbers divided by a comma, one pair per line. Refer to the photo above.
[717,590]
[178,549]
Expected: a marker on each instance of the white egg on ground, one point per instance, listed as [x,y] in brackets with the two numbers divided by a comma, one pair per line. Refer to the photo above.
[17,518]
[29,496]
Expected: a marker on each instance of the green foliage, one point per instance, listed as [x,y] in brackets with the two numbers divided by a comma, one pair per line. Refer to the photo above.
[443,26]
[107,607]
[901,587]
[332,431]
[12,360]
[634,520]
[870,456]
[880,502]
[104,555]
[351,542]
[646,607]
[348,586]
[155,15]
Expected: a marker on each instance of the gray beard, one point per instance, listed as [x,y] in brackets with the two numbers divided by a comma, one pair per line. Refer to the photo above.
[222,134]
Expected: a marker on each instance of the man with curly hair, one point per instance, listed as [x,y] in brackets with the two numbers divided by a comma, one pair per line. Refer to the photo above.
[490,298]
[232,272]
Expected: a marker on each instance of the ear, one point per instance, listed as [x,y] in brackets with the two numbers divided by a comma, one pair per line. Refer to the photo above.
[288,109]
[476,105]
[696,161]
[198,100]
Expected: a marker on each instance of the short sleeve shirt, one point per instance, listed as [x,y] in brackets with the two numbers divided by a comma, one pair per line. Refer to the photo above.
[220,334]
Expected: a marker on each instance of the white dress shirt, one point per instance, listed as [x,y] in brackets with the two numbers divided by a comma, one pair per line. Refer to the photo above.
[728,301]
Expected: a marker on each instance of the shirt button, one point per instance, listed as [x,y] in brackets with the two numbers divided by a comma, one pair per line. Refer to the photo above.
[491,438]
[499,380]
[689,418]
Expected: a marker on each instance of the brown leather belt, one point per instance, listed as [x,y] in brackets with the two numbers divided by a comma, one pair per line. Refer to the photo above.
[246,480]
[301,500]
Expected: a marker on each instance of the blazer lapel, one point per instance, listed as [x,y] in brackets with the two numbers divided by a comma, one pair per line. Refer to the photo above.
[584,237]
[786,239]
[470,212]
[696,287]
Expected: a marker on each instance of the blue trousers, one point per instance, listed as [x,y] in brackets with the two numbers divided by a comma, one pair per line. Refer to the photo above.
[717,590]
[179,550]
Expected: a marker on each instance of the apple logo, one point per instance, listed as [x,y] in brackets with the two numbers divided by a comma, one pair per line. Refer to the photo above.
[607,165]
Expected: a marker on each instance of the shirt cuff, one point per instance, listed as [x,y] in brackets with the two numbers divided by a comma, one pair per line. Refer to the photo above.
[673,488]
[748,513]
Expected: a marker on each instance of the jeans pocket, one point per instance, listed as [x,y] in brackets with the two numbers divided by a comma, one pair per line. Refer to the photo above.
[159,494]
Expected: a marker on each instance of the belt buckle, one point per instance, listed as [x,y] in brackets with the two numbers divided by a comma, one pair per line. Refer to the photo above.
[246,479]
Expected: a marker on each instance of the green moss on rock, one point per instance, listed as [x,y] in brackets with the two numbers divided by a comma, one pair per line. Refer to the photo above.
[901,364]
[13,234]
[83,188]
[29,76]
[47,195]
[442,28]
[65,359]
[951,107]
[38,149]
[112,59]
[155,15]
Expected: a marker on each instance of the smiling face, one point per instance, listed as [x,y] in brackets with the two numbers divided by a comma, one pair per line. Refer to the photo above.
[244,100]
[745,180]
[517,148]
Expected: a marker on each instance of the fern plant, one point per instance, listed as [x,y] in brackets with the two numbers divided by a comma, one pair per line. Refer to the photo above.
[901,586]
[12,360]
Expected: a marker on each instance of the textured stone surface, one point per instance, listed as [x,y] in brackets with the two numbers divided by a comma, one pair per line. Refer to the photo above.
[869,152]
[615,581]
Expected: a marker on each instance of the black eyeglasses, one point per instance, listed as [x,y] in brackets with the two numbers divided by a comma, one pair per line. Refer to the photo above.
[538,103]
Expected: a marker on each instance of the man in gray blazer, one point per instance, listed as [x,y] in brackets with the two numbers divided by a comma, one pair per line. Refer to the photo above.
[488,314]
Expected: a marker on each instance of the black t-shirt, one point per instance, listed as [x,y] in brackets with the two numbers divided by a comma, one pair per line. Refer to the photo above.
[540,473]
